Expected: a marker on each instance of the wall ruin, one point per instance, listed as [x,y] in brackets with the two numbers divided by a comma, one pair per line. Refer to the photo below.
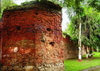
[32,38]
[71,48]
[0,40]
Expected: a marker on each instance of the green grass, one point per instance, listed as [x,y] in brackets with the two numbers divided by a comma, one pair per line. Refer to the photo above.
[75,65]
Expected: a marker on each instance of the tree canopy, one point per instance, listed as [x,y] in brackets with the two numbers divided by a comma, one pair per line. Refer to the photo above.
[89,15]
[5,4]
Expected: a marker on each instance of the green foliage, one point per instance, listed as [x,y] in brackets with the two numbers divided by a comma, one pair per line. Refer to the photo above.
[60,3]
[90,19]
[0,12]
[71,31]
[5,4]
[95,4]
[75,4]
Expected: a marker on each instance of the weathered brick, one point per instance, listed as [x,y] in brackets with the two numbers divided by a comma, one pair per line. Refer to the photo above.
[32,37]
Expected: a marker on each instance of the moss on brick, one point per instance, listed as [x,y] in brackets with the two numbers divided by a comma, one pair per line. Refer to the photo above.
[49,6]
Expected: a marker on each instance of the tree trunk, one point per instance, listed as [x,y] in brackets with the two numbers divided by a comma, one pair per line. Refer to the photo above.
[92,49]
[87,53]
[97,49]
[79,42]
[90,52]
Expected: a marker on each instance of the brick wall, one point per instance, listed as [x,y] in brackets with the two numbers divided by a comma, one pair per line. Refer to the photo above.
[0,40]
[32,37]
[71,48]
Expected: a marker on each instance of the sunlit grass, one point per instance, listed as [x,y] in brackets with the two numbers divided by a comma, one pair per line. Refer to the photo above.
[75,65]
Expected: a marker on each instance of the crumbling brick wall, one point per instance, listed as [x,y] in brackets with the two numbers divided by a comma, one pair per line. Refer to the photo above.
[0,40]
[71,48]
[32,37]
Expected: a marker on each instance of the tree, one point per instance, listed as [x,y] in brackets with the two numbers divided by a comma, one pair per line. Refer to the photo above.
[87,17]
[75,4]
[5,4]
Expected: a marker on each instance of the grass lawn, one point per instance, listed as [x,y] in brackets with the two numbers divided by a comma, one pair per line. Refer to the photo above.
[75,65]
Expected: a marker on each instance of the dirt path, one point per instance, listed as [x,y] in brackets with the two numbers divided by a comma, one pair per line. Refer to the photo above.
[97,68]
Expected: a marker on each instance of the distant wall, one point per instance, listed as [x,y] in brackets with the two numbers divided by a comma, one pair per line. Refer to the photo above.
[71,48]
